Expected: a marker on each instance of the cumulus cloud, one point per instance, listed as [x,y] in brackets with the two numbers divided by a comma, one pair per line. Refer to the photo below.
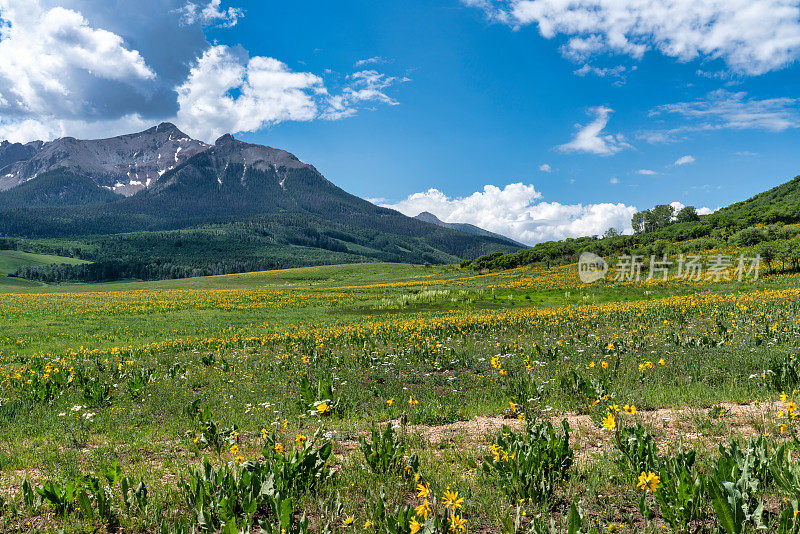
[646,172]
[516,211]
[228,93]
[49,55]
[614,180]
[545,167]
[751,36]
[684,160]
[211,14]
[93,69]
[590,138]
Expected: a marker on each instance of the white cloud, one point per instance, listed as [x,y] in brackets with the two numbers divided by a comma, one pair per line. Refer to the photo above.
[685,160]
[678,206]
[63,75]
[26,130]
[602,72]
[370,61]
[266,92]
[545,167]
[723,109]
[515,211]
[590,139]
[751,36]
[747,154]
[646,172]
[210,14]
[363,86]
[614,180]
[46,55]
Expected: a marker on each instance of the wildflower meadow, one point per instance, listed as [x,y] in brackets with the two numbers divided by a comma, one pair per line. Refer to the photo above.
[399,399]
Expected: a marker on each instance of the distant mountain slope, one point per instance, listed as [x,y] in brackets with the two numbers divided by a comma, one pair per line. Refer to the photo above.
[267,194]
[125,164]
[59,187]
[429,217]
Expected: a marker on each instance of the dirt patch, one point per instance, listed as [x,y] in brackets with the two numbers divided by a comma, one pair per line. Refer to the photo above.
[716,424]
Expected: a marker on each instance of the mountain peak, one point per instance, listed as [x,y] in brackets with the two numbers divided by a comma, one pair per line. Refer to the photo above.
[429,217]
[226,139]
[164,128]
[124,164]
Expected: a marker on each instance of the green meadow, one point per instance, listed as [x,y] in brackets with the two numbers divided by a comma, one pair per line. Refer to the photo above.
[375,397]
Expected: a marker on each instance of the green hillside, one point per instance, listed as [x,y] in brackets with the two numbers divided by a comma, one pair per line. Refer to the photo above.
[13,260]
[55,188]
[780,204]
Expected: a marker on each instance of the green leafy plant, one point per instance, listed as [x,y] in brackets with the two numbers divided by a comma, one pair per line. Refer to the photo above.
[97,393]
[636,449]
[210,434]
[384,452]
[300,469]
[530,463]
[739,477]
[681,496]
[318,399]
[784,373]
[137,381]
[228,498]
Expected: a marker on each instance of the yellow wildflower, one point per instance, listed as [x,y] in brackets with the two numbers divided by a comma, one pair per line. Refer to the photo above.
[609,422]
[423,509]
[648,482]
[450,500]
[424,490]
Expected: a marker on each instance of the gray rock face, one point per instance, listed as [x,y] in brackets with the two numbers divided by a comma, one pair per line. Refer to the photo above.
[249,154]
[14,152]
[430,218]
[124,164]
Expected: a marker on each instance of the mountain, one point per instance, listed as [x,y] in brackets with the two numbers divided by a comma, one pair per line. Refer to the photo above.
[430,218]
[124,164]
[229,207]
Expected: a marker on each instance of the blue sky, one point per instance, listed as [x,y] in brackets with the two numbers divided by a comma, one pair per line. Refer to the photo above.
[459,95]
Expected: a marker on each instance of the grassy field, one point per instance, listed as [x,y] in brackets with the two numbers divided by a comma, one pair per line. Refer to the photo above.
[365,397]
[11,260]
